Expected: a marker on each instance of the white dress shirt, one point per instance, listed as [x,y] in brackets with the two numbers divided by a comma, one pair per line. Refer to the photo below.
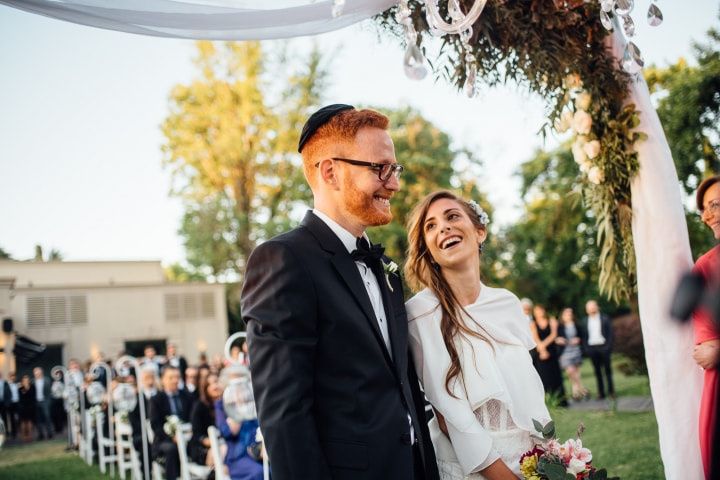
[369,280]
[595,336]
[14,393]
[39,385]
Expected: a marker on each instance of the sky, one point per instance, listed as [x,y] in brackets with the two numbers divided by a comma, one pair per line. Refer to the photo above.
[80,109]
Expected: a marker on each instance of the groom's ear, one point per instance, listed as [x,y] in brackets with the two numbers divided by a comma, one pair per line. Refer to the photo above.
[328,173]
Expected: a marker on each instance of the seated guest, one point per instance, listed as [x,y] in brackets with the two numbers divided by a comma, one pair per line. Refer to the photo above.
[170,401]
[191,383]
[149,384]
[238,436]
[202,417]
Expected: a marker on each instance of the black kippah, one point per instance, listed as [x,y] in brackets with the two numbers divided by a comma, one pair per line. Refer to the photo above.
[318,119]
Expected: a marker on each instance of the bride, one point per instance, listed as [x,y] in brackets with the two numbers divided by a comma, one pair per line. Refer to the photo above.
[470,343]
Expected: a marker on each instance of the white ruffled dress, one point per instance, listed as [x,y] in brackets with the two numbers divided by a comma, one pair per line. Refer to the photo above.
[492,416]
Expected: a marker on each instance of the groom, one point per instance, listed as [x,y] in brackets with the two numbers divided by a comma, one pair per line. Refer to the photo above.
[337,397]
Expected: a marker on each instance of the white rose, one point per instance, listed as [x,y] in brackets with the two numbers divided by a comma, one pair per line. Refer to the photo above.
[563,123]
[596,176]
[592,149]
[582,101]
[585,166]
[575,466]
[578,151]
[582,121]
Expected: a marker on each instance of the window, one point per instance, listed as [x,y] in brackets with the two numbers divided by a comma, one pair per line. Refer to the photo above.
[56,310]
[189,306]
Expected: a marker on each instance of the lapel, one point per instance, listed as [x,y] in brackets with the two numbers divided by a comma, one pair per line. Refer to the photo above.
[345,266]
[397,328]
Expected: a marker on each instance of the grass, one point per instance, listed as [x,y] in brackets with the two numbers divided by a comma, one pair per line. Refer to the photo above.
[624,443]
[625,385]
[44,460]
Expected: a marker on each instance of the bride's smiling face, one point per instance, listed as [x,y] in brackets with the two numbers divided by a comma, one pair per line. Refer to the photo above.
[451,237]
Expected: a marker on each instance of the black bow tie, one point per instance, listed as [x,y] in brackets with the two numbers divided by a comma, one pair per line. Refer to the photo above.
[364,252]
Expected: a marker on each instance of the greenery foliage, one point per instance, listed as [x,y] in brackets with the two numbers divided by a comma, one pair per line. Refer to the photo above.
[556,48]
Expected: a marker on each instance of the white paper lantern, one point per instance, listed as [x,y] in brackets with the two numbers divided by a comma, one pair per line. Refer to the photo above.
[124,397]
[95,392]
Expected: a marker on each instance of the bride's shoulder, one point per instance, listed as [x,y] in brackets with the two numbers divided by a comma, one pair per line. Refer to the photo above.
[504,295]
[421,305]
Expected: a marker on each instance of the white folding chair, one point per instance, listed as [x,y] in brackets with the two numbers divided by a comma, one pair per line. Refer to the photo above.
[127,458]
[105,459]
[88,435]
[157,470]
[188,469]
[214,436]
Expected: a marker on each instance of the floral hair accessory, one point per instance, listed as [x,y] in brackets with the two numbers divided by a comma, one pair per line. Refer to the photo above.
[482,215]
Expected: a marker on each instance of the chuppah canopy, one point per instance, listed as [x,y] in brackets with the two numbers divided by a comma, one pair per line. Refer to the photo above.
[659,230]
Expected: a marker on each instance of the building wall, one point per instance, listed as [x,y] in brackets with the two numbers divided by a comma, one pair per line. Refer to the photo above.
[69,274]
[89,318]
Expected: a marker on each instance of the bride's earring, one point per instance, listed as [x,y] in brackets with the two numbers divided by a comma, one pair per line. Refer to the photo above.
[482,247]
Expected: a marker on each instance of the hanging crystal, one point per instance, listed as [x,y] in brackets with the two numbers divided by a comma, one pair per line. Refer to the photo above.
[632,61]
[654,15]
[628,26]
[606,21]
[607,5]
[413,63]
[624,7]
[337,8]
[470,80]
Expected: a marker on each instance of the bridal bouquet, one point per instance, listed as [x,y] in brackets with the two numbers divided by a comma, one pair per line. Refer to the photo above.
[559,461]
[172,422]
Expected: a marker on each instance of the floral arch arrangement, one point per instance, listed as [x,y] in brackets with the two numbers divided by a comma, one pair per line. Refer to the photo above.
[560,50]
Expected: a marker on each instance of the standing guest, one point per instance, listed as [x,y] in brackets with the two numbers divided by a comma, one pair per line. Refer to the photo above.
[191,383]
[14,410]
[597,341]
[707,334]
[337,394]
[178,361]
[570,339]
[202,417]
[151,359]
[170,401]
[5,399]
[44,399]
[203,361]
[544,331]
[27,410]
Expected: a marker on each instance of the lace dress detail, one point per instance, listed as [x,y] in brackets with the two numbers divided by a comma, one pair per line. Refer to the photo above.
[509,441]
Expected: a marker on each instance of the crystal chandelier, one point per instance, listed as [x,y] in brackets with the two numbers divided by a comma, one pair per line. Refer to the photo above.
[632,61]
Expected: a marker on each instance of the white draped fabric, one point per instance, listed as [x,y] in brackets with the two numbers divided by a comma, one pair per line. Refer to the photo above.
[198,19]
[663,254]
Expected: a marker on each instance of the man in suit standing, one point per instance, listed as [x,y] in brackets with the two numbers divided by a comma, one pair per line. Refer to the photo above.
[42,408]
[597,341]
[337,396]
[170,401]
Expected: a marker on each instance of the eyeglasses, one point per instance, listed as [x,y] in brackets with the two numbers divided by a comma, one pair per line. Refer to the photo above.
[713,207]
[384,170]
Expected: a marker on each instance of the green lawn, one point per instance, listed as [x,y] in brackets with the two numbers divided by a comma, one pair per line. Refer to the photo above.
[44,460]
[625,385]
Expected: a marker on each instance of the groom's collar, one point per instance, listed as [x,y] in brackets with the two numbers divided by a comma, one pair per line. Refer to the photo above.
[325,236]
[348,239]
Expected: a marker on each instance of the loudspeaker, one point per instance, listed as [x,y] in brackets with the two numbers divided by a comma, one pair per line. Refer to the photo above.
[7,325]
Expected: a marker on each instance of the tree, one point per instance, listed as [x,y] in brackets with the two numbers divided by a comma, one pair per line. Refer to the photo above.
[550,255]
[179,273]
[231,140]
[689,109]
[4,255]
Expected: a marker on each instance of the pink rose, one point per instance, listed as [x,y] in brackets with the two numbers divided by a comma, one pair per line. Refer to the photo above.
[582,121]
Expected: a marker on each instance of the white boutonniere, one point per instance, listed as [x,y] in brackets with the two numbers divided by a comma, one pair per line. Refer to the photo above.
[390,269]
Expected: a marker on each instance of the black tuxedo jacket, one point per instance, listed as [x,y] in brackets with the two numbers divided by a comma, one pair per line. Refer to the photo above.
[606,330]
[332,402]
[160,410]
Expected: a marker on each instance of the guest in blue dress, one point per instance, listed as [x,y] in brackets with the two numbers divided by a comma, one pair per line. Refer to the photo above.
[238,437]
